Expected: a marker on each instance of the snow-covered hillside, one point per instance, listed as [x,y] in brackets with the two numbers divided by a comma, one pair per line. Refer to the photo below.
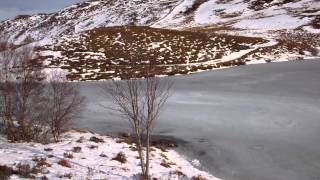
[242,14]
[205,34]
[83,155]
[245,14]
[85,16]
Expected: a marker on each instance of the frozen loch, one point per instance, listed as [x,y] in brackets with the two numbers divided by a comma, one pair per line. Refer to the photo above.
[256,122]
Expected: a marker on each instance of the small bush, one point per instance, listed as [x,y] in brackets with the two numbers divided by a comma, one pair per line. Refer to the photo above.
[96,140]
[64,163]
[167,164]
[80,140]
[164,156]
[76,149]
[93,147]
[124,140]
[133,148]
[26,171]
[178,173]
[199,177]
[68,155]
[69,176]
[121,157]
[5,172]
[44,178]
[103,155]
[41,162]
[48,149]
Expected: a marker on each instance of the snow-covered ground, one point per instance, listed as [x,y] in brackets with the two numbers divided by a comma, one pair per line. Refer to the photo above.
[93,160]
[266,16]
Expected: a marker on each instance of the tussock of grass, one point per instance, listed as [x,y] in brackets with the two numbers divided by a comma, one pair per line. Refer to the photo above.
[65,163]
[121,157]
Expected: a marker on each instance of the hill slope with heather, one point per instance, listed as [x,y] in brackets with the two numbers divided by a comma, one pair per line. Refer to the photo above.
[101,39]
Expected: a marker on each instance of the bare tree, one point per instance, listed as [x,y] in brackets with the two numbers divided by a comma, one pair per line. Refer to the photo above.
[21,89]
[6,86]
[140,101]
[32,106]
[65,103]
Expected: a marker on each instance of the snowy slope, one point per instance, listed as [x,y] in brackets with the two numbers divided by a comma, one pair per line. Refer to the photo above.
[93,160]
[85,16]
[244,14]
[205,34]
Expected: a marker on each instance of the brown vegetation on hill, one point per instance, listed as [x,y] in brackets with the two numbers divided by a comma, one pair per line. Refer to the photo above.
[104,53]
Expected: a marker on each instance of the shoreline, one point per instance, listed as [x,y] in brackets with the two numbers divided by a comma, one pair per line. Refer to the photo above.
[78,155]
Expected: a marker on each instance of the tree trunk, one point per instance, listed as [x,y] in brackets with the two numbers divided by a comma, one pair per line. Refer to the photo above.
[147,155]
[140,150]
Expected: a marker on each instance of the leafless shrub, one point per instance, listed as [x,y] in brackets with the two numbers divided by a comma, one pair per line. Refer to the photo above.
[65,104]
[121,157]
[140,102]
[21,94]
[30,106]
[26,171]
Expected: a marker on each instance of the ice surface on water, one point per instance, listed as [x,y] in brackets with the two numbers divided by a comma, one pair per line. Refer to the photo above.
[251,122]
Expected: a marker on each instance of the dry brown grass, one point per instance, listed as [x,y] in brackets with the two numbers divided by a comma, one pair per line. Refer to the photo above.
[199,177]
[124,140]
[166,163]
[178,173]
[129,55]
[26,171]
[5,172]
[41,162]
[64,163]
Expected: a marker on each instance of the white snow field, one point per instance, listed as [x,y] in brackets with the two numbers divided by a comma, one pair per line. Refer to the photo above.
[93,160]
[256,122]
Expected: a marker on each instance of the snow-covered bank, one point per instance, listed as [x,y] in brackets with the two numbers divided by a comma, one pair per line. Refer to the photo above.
[91,156]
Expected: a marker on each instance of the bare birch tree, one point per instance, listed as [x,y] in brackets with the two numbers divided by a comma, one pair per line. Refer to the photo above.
[32,106]
[140,102]
[21,90]
[64,104]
